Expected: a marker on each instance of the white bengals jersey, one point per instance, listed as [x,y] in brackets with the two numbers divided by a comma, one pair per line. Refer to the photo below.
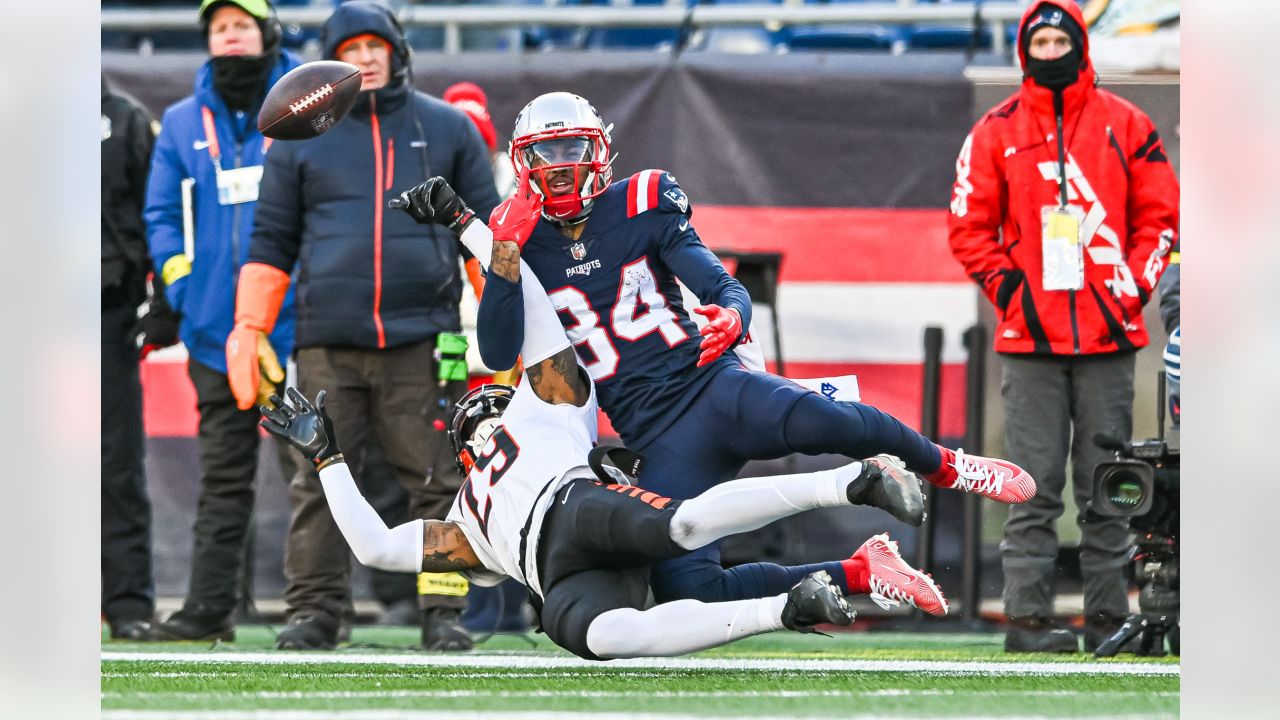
[517,472]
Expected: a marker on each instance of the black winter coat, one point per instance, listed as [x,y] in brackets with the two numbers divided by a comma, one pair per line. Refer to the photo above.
[369,276]
[128,135]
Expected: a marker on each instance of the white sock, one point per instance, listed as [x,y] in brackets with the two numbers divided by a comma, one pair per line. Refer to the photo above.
[681,627]
[750,503]
[398,549]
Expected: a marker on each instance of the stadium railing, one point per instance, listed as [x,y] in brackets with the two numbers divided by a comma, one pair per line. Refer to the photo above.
[898,19]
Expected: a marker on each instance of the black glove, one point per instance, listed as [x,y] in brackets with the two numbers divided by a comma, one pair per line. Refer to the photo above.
[156,329]
[303,426]
[158,326]
[434,202]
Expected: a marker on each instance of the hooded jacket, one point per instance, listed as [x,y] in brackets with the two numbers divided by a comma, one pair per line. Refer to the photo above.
[370,277]
[205,290]
[1119,178]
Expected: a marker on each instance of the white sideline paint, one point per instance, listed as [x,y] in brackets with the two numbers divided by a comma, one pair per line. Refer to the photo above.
[490,715]
[526,662]
[614,694]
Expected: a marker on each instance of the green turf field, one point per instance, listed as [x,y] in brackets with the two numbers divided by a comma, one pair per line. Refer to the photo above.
[380,676]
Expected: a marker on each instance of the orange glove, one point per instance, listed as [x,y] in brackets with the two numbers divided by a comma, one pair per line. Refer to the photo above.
[253,370]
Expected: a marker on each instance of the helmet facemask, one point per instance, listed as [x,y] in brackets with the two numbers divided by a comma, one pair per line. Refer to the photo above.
[565,147]
[474,420]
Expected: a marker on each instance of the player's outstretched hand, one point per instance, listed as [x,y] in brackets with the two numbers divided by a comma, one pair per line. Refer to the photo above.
[434,201]
[722,330]
[304,426]
[516,217]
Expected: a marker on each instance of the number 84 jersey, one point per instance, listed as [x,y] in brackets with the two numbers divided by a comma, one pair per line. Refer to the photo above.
[617,295]
[537,448]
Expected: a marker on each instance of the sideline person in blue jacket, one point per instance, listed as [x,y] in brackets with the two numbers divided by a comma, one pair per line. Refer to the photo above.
[374,292]
[199,211]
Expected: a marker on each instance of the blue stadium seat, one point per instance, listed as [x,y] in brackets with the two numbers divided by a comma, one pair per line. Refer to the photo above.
[840,37]
[935,37]
[633,38]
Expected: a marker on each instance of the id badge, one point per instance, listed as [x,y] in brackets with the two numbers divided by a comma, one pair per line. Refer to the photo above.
[239,185]
[1061,250]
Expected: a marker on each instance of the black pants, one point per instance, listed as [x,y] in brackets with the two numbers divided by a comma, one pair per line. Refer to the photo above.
[393,395]
[128,589]
[228,465]
[594,550]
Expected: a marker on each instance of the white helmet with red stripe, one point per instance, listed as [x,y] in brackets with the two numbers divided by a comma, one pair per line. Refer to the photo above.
[561,140]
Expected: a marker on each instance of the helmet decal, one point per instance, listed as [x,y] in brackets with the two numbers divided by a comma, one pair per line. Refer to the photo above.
[473,421]
[561,140]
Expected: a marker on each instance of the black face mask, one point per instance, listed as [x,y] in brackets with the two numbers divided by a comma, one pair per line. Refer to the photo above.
[1055,74]
[241,80]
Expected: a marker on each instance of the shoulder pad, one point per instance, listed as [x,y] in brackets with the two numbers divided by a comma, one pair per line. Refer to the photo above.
[655,190]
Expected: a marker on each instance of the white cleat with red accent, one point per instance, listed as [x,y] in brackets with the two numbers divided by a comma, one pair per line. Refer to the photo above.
[894,582]
[999,480]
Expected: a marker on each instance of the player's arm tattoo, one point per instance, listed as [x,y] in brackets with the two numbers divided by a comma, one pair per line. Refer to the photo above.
[506,260]
[445,548]
[559,380]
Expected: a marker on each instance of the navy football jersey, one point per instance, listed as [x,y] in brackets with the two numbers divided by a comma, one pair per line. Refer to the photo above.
[616,293]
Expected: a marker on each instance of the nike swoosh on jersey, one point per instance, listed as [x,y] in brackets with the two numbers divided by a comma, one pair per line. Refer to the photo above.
[199,144]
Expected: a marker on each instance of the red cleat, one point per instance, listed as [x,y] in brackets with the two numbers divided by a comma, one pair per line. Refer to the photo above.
[892,581]
[999,480]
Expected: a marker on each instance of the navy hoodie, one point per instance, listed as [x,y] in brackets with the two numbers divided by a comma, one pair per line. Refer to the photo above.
[368,276]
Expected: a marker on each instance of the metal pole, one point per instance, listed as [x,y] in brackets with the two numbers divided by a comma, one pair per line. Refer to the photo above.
[975,341]
[929,428]
[771,278]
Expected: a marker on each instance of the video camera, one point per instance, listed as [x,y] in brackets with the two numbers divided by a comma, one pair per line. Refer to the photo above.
[1142,485]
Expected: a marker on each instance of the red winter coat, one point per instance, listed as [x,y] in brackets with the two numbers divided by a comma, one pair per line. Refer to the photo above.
[1118,175]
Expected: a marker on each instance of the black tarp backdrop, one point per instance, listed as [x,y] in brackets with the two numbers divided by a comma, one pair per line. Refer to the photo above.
[788,130]
[800,130]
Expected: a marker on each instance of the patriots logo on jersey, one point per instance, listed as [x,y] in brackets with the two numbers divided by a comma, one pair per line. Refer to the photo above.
[677,196]
[578,250]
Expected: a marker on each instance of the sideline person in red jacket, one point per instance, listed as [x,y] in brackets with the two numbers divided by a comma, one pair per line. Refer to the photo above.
[1063,211]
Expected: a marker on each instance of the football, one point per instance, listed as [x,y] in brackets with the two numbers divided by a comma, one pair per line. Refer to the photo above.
[309,100]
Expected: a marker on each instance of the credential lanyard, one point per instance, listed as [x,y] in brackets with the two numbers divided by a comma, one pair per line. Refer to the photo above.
[211,137]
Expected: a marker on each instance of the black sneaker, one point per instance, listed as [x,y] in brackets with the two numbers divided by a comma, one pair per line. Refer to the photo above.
[309,631]
[196,621]
[887,484]
[442,631]
[133,631]
[1039,635]
[815,600]
[1099,627]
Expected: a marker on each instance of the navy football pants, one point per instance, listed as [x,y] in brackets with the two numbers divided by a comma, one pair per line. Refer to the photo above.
[743,415]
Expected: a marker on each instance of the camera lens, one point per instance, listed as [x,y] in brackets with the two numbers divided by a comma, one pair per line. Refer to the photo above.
[1125,490]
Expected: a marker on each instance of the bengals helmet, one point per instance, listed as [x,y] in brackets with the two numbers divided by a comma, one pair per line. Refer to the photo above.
[474,418]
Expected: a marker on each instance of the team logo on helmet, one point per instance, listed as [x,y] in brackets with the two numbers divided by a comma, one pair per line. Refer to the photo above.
[473,421]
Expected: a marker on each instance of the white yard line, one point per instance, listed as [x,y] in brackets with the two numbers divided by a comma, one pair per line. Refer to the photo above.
[526,662]
[613,694]
[488,715]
